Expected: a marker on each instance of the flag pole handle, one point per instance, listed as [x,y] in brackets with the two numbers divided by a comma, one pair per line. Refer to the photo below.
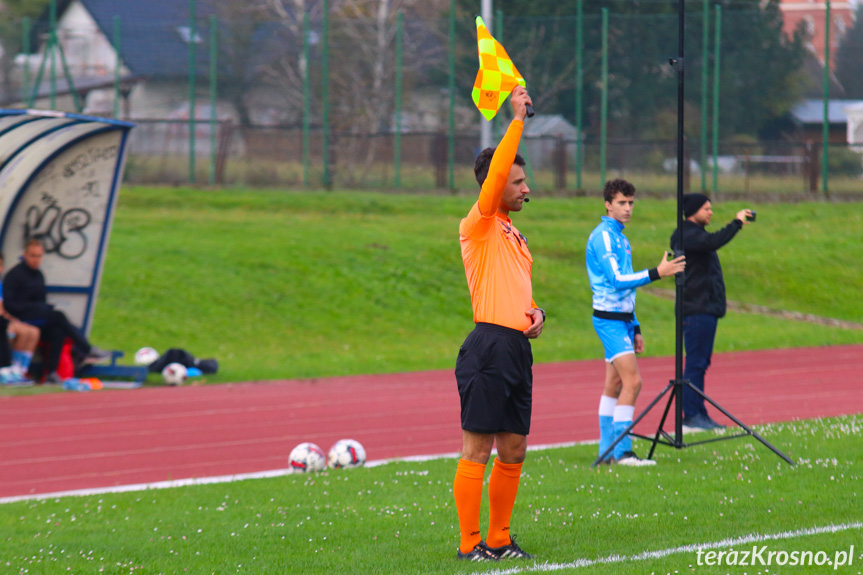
[529,110]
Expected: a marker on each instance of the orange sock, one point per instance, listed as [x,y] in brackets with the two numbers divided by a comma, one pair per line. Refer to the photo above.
[502,489]
[467,489]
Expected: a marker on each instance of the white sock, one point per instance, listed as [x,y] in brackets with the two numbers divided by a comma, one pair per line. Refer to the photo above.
[624,412]
[606,405]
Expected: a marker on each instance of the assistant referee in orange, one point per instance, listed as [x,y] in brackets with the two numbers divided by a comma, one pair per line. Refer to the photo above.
[494,365]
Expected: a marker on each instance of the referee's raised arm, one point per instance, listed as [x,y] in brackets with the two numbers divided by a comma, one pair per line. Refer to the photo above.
[504,155]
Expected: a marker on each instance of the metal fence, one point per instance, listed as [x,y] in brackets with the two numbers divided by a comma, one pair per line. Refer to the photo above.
[271,156]
[326,98]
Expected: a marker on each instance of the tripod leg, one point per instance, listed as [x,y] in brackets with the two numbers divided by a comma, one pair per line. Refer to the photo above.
[741,424]
[626,431]
[659,430]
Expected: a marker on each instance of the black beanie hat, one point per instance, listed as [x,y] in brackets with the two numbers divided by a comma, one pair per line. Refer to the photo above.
[692,203]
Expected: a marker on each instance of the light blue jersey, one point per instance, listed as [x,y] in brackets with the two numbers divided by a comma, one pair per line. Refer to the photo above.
[609,267]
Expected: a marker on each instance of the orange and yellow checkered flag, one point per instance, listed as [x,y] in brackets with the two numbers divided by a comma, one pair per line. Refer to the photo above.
[497,74]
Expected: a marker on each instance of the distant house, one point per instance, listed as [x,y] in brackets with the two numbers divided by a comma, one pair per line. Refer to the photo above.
[542,135]
[854,112]
[808,116]
[155,37]
[812,15]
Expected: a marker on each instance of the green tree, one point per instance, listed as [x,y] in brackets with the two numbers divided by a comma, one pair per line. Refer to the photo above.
[762,69]
[849,55]
[17,9]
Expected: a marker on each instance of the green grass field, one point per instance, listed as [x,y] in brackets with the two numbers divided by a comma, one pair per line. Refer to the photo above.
[309,284]
[400,517]
[293,284]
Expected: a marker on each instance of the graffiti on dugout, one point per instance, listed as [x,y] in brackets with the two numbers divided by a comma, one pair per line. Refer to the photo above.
[61,231]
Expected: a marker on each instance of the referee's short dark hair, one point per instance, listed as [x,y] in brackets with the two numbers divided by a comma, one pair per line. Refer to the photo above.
[619,185]
[483,161]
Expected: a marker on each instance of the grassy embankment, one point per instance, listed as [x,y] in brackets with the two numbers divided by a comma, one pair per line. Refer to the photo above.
[288,284]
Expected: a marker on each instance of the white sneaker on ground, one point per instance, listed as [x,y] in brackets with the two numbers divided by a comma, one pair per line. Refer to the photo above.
[632,460]
[14,375]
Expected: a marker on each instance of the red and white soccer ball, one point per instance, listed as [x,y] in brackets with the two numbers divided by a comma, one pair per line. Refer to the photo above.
[347,454]
[146,356]
[174,374]
[307,458]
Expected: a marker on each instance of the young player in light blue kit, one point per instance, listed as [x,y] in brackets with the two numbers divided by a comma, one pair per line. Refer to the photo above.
[609,266]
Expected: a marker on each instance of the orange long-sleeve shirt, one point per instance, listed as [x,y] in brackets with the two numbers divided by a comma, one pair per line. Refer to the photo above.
[497,261]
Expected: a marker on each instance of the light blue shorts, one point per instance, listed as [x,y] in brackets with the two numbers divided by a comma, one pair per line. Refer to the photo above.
[616,336]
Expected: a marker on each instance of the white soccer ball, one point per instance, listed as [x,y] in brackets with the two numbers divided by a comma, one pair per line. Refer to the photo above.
[306,458]
[347,454]
[146,356]
[174,374]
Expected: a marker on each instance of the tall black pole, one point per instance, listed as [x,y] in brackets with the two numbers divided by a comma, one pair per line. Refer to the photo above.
[678,280]
[676,385]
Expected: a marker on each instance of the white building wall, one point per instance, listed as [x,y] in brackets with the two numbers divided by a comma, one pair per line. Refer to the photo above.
[855,124]
[88,51]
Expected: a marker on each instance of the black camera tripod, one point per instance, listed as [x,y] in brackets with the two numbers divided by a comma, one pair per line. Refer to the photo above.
[676,385]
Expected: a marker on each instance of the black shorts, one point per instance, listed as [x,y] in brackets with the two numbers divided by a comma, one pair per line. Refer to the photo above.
[495,380]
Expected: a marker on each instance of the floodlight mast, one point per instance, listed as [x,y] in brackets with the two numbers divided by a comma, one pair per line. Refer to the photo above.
[676,385]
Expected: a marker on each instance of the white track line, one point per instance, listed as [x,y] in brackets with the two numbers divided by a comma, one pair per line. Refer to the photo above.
[692,548]
[233,478]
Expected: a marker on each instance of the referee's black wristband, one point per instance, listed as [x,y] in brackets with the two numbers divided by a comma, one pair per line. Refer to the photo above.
[637,330]
[653,273]
[542,311]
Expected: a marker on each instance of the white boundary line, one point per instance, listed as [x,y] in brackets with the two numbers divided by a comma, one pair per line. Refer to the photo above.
[692,548]
[146,486]
[233,478]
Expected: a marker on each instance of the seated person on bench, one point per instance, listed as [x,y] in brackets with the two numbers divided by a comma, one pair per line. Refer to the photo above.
[23,339]
[25,297]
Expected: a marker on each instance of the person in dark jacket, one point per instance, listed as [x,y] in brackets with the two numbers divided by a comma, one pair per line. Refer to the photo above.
[703,298]
[25,296]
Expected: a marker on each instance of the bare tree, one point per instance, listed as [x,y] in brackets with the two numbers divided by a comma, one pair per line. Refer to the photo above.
[362,67]
[241,21]
[287,71]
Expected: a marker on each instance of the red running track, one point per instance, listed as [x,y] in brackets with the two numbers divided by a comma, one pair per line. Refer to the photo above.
[68,441]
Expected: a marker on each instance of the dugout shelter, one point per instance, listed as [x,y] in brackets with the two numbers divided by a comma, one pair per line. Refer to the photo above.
[60,175]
